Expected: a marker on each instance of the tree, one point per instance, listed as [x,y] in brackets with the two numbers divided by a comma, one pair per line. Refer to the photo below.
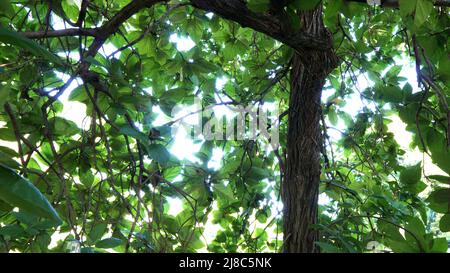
[115,175]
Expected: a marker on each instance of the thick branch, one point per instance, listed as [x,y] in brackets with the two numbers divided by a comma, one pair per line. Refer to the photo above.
[237,11]
[234,10]
[83,12]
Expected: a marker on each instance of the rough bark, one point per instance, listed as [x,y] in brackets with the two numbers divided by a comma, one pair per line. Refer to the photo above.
[300,187]
[276,27]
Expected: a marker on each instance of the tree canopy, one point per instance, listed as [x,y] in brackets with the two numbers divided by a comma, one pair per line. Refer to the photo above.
[87,146]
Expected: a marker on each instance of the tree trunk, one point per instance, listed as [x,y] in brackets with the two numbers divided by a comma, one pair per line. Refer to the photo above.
[300,189]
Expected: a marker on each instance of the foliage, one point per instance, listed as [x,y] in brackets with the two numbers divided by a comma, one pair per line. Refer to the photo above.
[111,179]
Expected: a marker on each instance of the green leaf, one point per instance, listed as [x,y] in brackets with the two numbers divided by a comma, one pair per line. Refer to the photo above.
[440,245]
[441,195]
[410,178]
[21,193]
[440,178]
[6,8]
[415,226]
[328,248]
[8,160]
[423,10]
[171,224]
[332,116]
[14,38]
[176,95]
[147,46]
[26,217]
[78,94]
[70,9]
[389,93]
[224,192]
[440,153]
[64,127]
[5,207]
[263,215]
[109,243]
[411,174]
[407,6]
[444,223]
[420,8]
[439,200]
[97,232]
[196,243]
[43,240]
[159,153]
[11,230]
[258,174]
[134,133]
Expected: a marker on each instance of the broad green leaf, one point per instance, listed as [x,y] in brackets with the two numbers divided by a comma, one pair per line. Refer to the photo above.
[440,153]
[5,207]
[79,94]
[440,178]
[423,10]
[64,127]
[420,8]
[224,192]
[21,193]
[440,245]
[70,9]
[16,39]
[196,243]
[407,6]
[411,174]
[159,153]
[444,223]
[109,243]
[328,248]
[6,8]
[258,174]
[97,231]
[134,133]
[439,200]
[332,116]
[43,240]
[11,230]
[147,46]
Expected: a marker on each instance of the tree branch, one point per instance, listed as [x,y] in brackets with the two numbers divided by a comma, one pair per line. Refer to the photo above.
[102,35]
[237,11]
[83,12]
[234,10]
[61,33]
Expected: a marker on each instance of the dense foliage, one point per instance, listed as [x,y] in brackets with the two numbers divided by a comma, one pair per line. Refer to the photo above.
[109,183]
